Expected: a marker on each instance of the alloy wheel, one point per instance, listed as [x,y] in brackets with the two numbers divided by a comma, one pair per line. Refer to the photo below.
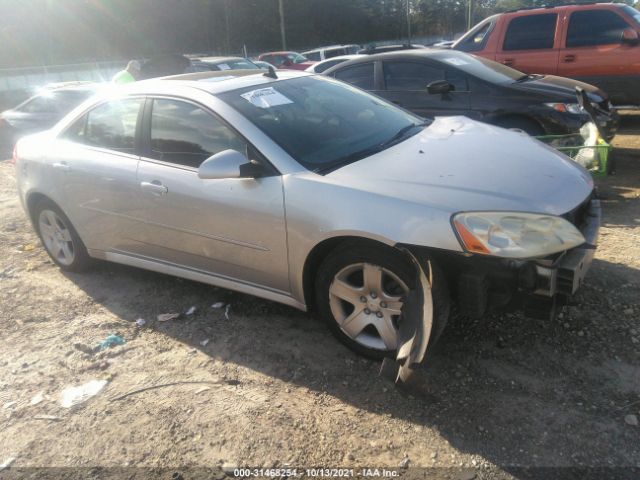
[366,301]
[56,237]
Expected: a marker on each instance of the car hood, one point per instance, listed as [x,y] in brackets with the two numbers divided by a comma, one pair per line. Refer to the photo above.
[458,164]
[559,88]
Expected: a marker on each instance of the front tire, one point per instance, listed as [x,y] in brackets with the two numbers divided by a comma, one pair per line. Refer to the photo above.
[360,291]
[59,238]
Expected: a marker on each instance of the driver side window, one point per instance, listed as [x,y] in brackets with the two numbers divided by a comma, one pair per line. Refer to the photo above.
[410,75]
[184,134]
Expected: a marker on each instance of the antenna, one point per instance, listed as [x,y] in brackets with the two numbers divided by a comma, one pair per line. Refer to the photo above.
[271,73]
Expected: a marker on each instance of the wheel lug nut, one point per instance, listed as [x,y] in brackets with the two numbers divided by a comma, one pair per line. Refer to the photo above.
[383,304]
[367,311]
[379,314]
[373,295]
[363,299]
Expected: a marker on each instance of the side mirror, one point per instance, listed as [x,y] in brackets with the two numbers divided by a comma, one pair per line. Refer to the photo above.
[228,164]
[439,87]
[287,63]
[630,36]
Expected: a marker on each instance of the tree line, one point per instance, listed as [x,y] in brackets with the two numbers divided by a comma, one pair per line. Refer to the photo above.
[49,32]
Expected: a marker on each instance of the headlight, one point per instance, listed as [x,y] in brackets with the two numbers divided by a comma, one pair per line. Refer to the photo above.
[515,234]
[566,107]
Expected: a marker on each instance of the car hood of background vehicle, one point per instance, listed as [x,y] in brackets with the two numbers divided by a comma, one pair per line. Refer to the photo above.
[559,88]
[458,164]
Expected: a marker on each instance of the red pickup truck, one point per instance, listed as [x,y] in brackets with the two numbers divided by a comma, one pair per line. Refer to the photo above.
[595,43]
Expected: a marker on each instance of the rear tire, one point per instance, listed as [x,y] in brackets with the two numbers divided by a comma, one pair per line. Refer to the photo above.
[359,293]
[59,238]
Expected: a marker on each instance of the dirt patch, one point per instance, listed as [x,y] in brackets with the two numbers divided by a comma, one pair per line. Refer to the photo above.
[269,386]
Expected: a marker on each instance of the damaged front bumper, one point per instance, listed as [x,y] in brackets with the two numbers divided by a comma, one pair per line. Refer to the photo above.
[565,274]
[479,282]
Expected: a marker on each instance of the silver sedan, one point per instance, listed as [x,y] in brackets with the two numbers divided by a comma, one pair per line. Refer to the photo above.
[307,191]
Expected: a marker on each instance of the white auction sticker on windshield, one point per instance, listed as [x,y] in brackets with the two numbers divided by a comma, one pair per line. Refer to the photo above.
[266,98]
[455,61]
[224,66]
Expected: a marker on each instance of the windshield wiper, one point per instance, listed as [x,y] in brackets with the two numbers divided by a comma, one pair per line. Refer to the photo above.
[401,133]
[366,152]
[352,157]
[523,78]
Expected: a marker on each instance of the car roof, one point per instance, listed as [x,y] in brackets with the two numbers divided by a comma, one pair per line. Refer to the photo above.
[347,57]
[437,54]
[330,47]
[573,6]
[282,52]
[216,59]
[213,82]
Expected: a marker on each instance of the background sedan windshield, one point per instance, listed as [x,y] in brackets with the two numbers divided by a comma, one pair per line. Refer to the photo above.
[320,122]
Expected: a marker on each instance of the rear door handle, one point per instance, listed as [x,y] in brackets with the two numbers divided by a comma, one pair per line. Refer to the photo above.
[569,58]
[508,61]
[62,166]
[156,187]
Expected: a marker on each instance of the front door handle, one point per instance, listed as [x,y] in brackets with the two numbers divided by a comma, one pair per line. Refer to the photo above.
[156,187]
[63,166]
[569,58]
[508,62]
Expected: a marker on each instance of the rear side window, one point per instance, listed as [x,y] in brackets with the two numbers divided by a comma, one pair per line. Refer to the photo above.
[358,75]
[334,52]
[313,56]
[531,32]
[111,125]
[594,27]
[185,134]
[326,65]
[39,105]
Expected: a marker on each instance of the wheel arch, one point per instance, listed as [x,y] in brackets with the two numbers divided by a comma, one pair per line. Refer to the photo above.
[499,118]
[33,199]
[320,251]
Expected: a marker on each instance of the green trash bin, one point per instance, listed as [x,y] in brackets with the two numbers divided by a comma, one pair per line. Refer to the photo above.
[593,157]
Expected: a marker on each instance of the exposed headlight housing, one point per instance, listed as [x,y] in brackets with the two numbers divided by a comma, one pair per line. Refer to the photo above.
[566,107]
[515,234]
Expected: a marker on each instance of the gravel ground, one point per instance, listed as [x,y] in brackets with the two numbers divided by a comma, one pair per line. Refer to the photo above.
[270,387]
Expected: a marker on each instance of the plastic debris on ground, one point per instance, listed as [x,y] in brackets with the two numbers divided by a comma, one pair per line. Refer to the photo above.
[7,463]
[73,396]
[204,342]
[37,399]
[166,317]
[218,305]
[191,311]
[141,322]
[111,341]
[226,312]
[53,418]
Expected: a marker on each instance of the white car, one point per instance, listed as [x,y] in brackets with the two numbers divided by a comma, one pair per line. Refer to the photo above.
[320,67]
[325,53]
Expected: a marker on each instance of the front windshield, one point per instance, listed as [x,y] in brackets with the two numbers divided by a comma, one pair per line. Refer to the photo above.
[479,67]
[323,123]
[296,58]
[239,64]
[632,12]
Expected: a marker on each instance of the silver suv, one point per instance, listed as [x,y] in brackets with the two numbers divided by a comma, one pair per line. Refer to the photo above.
[307,191]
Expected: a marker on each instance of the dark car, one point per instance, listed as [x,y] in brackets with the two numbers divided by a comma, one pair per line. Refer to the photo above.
[216,64]
[433,82]
[39,112]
